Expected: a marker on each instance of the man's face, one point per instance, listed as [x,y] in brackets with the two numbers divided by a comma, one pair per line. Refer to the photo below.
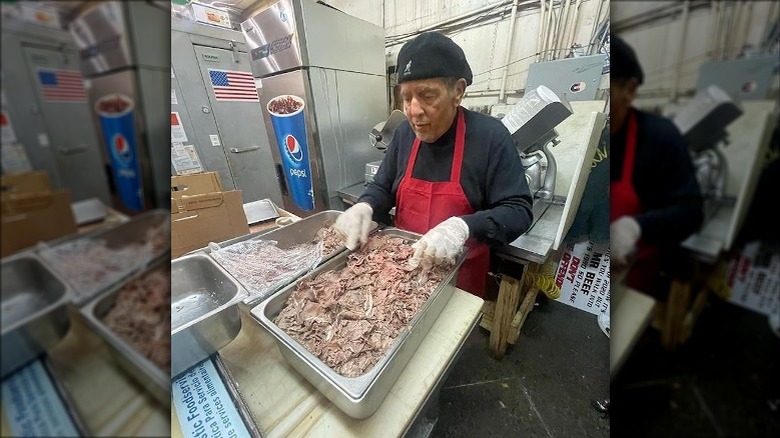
[621,95]
[430,106]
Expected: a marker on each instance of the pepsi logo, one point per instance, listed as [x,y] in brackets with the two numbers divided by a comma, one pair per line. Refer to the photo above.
[293,147]
[121,148]
[577,87]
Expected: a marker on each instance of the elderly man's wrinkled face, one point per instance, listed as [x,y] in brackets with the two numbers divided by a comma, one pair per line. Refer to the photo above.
[430,105]
[621,96]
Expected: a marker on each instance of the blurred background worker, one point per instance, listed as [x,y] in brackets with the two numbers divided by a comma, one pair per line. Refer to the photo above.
[655,200]
[453,175]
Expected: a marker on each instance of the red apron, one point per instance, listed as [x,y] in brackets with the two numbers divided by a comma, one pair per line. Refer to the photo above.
[421,205]
[623,201]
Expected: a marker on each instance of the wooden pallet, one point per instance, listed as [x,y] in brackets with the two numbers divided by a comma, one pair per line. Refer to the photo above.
[504,318]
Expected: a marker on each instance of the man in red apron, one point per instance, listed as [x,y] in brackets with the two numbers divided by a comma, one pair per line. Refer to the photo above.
[453,175]
[655,200]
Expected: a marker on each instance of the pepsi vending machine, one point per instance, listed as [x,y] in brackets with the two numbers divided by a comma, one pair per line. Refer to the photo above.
[124,49]
[322,87]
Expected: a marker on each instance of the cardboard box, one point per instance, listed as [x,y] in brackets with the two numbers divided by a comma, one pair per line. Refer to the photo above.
[31,219]
[201,212]
[27,182]
[24,190]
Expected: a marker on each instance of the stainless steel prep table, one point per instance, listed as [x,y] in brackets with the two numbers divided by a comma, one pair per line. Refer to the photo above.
[108,401]
[282,403]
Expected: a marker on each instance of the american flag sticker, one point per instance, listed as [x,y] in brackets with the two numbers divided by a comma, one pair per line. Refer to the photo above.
[233,85]
[62,86]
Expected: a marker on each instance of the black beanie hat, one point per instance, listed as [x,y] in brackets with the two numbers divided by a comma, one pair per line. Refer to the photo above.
[432,55]
[622,60]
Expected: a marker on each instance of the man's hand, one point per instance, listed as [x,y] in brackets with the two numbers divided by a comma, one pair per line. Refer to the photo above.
[441,243]
[624,234]
[354,224]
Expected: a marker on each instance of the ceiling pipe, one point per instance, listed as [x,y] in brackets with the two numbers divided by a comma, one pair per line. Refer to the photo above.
[714,29]
[573,36]
[556,32]
[542,22]
[548,31]
[770,20]
[746,26]
[560,41]
[511,40]
[596,23]
[724,33]
[680,51]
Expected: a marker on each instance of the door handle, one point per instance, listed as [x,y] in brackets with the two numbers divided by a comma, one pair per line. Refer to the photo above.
[281,179]
[240,150]
[70,151]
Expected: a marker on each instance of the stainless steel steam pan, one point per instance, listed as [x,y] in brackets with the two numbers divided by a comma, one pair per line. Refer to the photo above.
[34,310]
[204,310]
[127,233]
[357,397]
[153,378]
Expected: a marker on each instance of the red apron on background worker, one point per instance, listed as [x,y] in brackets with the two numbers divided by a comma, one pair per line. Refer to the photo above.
[453,175]
[655,200]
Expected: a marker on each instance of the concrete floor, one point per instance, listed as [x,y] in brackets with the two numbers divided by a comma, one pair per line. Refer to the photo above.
[724,382]
[544,386]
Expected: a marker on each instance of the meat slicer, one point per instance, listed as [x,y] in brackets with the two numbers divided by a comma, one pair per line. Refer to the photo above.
[380,137]
[532,123]
[702,123]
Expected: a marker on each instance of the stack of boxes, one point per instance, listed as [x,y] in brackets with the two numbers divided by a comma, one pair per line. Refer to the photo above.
[32,212]
[202,212]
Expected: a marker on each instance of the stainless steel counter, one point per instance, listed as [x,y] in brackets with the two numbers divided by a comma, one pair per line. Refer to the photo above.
[351,194]
[707,245]
[535,245]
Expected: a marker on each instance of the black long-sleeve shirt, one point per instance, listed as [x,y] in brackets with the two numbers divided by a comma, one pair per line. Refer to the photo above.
[664,179]
[492,176]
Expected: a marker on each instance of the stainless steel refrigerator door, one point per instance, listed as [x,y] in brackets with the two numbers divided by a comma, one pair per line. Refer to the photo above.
[241,129]
[23,109]
[155,92]
[100,35]
[194,109]
[347,106]
[295,83]
[124,83]
[71,132]
[273,40]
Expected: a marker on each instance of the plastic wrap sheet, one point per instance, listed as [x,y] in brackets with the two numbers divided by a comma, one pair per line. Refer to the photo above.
[262,267]
[89,265]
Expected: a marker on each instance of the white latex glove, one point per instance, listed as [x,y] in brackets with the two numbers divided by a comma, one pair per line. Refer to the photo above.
[624,233]
[354,224]
[441,243]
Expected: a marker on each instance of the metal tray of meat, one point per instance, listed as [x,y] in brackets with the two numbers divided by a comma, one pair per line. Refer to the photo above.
[300,232]
[34,310]
[121,235]
[358,397]
[204,310]
[153,378]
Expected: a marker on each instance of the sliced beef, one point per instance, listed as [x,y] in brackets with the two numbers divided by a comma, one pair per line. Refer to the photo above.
[349,318]
[141,316]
